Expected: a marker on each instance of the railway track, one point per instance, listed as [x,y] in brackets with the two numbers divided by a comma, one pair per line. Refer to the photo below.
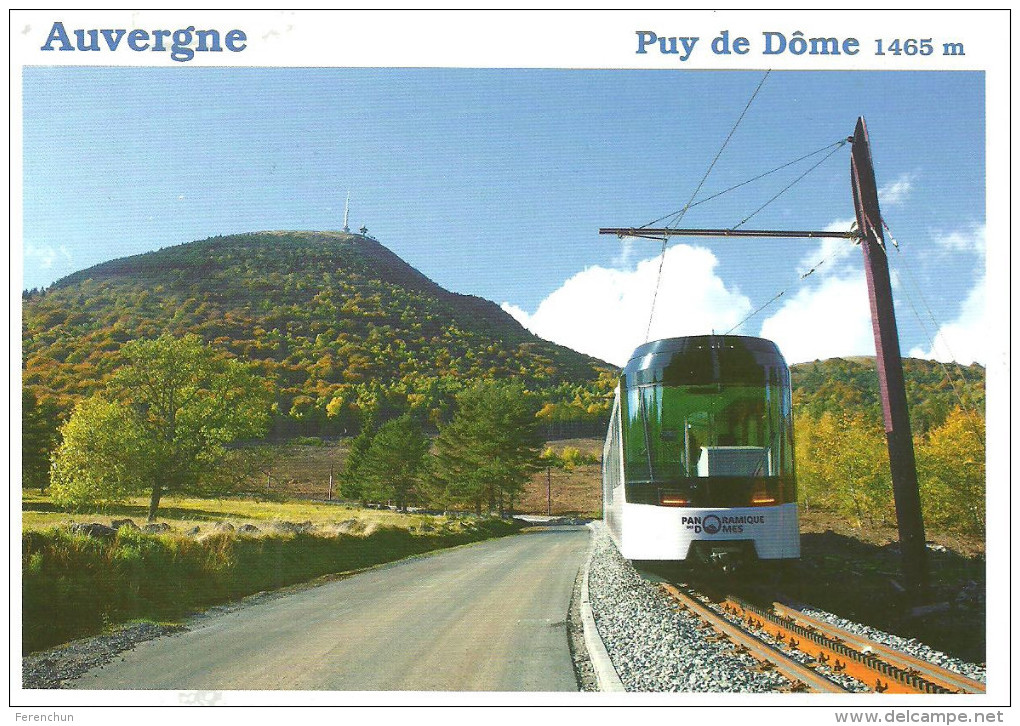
[828,655]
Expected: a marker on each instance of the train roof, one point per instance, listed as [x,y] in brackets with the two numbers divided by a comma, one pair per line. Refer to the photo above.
[695,342]
[704,358]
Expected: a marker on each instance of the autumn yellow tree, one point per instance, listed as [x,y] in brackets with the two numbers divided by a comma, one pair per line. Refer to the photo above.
[951,462]
[843,466]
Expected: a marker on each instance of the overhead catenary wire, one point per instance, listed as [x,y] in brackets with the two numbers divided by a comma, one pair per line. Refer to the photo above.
[791,184]
[782,292]
[683,211]
[839,144]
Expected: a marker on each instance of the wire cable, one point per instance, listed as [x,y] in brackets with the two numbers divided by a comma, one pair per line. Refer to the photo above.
[662,254]
[971,409]
[799,159]
[789,186]
[783,291]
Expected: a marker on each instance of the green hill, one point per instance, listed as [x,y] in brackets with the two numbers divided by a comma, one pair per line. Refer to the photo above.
[340,324]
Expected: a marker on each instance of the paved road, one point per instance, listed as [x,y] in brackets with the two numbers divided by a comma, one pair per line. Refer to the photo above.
[486,617]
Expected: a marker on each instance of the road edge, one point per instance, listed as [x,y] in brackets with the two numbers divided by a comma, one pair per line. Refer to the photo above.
[605,674]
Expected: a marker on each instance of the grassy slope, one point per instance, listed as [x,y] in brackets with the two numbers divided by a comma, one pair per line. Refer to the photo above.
[324,315]
[75,585]
[182,514]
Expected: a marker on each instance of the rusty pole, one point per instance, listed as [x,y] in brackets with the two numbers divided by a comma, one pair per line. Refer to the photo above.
[548,491]
[890,366]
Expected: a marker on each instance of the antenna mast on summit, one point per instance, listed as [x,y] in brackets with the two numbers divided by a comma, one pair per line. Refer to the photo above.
[347,209]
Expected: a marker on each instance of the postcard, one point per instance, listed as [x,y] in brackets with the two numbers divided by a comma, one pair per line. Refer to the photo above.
[514,357]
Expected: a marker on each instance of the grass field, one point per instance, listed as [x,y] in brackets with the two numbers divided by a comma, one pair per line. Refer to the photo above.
[573,491]
[76,584]
[185,513]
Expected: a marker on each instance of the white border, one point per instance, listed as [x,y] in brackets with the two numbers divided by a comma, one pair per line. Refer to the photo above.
[556,39]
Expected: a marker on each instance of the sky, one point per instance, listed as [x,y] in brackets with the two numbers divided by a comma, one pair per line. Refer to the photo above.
[495,183]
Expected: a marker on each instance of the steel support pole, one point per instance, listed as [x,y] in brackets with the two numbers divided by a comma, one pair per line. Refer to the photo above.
[890,367]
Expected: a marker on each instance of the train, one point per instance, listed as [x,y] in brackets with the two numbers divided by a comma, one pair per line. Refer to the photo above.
[698,462]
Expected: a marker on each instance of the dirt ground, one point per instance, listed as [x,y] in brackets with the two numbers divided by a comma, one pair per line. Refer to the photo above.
[855,573]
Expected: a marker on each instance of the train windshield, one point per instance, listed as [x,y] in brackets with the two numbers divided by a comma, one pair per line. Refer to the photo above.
[679,432]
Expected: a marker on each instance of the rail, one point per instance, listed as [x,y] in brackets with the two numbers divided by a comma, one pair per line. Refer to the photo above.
[802,677]
[882,668]
[931,672]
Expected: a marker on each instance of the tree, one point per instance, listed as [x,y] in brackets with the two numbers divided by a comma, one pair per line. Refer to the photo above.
[843,465]
[353,486]
[104,455]
[393,465]
[486,454]
[39,436]
[951,468]
[162,426]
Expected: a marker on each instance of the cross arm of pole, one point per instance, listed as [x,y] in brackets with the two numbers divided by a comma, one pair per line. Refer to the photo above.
[659,233]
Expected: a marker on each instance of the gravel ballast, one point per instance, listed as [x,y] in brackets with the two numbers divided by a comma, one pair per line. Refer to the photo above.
[653,646]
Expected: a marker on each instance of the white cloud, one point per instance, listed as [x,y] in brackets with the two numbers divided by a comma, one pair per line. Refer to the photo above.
[830,315]
[830,250]
[896,192]
[624,259]
[965,340]
[604,312]
[967,240]
[517,313]
[824,321]
[45,256]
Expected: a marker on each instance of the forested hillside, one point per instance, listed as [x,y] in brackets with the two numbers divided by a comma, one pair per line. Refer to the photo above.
[850,385]
[343,328]
[842,455]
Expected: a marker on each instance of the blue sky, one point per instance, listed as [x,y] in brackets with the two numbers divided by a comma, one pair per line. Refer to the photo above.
[495,182]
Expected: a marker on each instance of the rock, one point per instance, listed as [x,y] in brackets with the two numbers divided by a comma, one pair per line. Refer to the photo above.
[223,527]
[294,527]
[118,523]
[156,528]
[350,526]
[193,531]
[248,529]
[971,596]
[930,609]
[94,529]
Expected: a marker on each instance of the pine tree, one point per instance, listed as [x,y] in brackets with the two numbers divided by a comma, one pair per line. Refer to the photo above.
[394,462]
[485,455]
